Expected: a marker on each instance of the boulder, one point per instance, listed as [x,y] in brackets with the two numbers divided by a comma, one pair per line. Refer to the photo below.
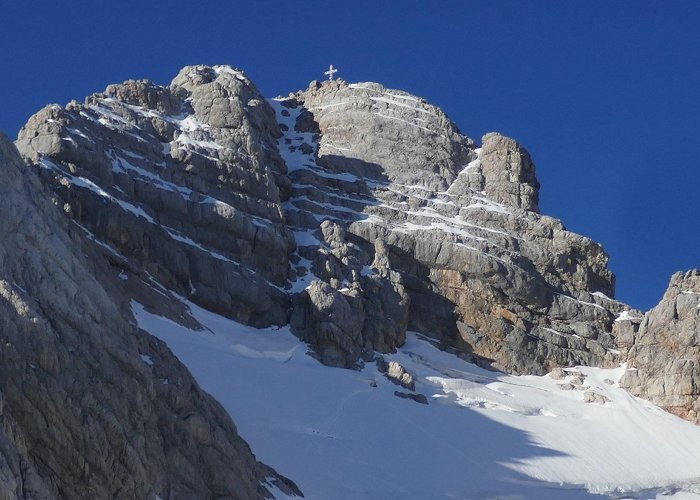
[418,398]
[396,373]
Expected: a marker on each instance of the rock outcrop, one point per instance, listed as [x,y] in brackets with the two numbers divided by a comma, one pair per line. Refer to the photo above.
[350,310]
[664,353]
[457,223]
[352,211]
[508,173]
[396,374]
[184,181]
[90,406]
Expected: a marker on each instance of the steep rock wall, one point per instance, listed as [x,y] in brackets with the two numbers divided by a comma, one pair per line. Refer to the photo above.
[90,406]
[183,180]
[664,349]
[222,196]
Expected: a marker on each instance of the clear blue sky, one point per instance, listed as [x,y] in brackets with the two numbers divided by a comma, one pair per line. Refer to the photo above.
[605,95]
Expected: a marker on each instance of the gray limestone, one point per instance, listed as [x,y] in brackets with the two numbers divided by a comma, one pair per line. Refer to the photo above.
[558,373]
[508,173]
[81,415]
[481,269]
[354,213]
[402,221]
[396,373]
[184,181]
[664,357]
[350,311]
[206,186]
[594,397]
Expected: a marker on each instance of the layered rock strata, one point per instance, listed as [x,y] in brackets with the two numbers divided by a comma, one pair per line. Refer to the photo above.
[458,225]
[185,181]
[352,211]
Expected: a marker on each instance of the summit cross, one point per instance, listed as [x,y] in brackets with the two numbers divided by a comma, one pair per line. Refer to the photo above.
[331,71]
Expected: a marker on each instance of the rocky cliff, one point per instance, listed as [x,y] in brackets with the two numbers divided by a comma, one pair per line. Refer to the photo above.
[351,212]
[90,406]
[184,181]
[664,349]
[458,225]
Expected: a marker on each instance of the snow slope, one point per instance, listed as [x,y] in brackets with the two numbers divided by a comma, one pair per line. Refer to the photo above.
[483,435]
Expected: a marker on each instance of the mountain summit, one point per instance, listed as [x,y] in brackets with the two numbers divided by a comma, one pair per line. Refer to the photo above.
[353,220]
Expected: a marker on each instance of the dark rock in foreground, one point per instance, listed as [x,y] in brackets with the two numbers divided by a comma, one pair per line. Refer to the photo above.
[90,406]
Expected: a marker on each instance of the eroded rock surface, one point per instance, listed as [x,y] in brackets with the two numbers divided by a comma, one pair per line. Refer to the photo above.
[456,224]
[353,211]
[184,181]
[90,406]
[664,357]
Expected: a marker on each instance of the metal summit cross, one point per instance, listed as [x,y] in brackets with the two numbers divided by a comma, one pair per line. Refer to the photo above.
[331,71]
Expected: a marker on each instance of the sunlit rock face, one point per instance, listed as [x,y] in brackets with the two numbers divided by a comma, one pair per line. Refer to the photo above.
[351,212]
[222,196]
[184,181]
[458,225]
[664,355]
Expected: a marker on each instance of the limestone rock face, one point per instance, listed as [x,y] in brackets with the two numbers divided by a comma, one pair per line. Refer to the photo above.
[90,406]
[454,225]
[664,358]
[183,181]
[352,211]
[350,310]
[380,134]
[508,173]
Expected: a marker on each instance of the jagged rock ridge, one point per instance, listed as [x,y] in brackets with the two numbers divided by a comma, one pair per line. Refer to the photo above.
[482,269]
[664,349]
[184,181]
[221,195]
[352,211]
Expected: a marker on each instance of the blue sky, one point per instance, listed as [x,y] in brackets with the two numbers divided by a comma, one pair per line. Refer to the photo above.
[605,95]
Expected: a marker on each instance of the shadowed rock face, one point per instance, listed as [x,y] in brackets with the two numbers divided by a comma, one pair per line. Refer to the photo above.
[91,407]
[221,196]
[664,350]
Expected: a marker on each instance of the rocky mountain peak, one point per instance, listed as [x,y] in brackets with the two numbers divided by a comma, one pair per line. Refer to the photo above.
[402,123]
[222,196]
[351,212]
[380,133]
